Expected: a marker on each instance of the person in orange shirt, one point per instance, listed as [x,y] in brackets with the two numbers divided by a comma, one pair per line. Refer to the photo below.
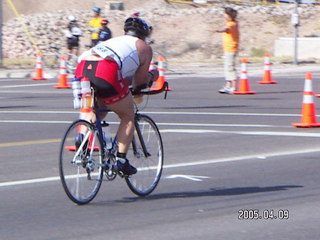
[230,47]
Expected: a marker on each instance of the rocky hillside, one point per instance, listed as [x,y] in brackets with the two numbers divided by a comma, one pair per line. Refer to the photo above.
[181,32]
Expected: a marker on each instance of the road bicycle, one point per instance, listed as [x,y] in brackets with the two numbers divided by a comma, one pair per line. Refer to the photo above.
[83,167]
[53,59]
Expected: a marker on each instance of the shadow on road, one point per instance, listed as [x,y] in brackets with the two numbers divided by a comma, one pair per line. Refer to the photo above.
[215,192]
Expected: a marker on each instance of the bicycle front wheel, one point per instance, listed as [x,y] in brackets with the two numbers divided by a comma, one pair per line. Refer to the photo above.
[81,162]
[146,154]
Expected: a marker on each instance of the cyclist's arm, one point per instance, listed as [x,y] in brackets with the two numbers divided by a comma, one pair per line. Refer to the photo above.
[142,76]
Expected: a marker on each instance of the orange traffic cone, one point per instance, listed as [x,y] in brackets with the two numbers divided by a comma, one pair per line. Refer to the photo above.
[161,79]
[267,77]
[39,69]
[63,78]
[152,66]
[308,118]
[244,86]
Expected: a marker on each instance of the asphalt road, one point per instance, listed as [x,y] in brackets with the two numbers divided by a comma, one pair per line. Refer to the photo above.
[228,158]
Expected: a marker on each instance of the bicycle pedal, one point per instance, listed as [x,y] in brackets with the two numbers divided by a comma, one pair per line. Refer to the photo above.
[120,174]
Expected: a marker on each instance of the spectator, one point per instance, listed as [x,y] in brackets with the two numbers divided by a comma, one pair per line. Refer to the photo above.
[105,32]
[230,46]
[73,34]
[95,25]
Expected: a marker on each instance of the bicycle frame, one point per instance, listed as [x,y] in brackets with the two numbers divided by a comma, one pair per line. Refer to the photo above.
[98,125]
[84,161]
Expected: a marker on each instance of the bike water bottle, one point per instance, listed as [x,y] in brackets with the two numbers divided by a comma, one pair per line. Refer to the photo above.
[76,87]
[107,134]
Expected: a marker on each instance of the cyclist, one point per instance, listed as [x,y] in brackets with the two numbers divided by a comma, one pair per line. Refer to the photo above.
[95,25]
[105,32]
[73,33]
[113,65]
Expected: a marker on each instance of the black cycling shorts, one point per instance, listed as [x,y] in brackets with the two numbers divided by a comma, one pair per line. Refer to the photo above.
[72,43]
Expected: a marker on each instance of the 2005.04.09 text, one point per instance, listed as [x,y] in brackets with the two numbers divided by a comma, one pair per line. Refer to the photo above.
[255,214]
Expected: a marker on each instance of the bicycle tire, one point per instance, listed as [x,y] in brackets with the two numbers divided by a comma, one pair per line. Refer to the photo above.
[149,167]
[81,167]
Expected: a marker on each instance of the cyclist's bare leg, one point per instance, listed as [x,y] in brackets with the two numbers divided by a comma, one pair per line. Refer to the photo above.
[125,110]
[88,116]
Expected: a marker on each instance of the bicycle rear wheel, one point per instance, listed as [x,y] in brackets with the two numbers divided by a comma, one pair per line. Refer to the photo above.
[149,163]
[81,162]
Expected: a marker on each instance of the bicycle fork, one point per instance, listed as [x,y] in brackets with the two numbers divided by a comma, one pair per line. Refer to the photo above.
[143,145]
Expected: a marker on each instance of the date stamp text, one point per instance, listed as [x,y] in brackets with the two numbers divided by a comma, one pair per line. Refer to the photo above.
[267,214]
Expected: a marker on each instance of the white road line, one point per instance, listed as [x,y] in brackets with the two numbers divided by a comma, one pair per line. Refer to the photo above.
[30,181]
[159,124]
[26,85]
[227,114]
[32,121]
[256,133]
[197,131]
[173,113]
[6,91]
[194,178]
[220,125]
[39,112]
[260,156]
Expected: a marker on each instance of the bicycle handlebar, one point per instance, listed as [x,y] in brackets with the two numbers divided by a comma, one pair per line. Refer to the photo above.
[164,88]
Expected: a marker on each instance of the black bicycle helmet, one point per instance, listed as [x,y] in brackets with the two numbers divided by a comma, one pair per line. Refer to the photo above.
[137,27]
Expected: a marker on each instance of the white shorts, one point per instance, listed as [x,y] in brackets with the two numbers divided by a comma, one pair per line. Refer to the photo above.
[230,71]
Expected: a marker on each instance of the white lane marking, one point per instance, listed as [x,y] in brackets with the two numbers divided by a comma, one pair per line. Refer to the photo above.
[196,131]
[219,125]
[256,133]
[41,112]
[187,164]
[32,121]
[27,85]
[227,114]
[188,177]
[175,113]
[30,181]
[159,124]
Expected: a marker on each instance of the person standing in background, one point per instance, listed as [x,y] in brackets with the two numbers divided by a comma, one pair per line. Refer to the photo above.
[104,32]
[95,25]
[73,33]
[230,47]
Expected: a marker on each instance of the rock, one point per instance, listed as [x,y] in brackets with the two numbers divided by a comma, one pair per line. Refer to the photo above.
[176,30]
